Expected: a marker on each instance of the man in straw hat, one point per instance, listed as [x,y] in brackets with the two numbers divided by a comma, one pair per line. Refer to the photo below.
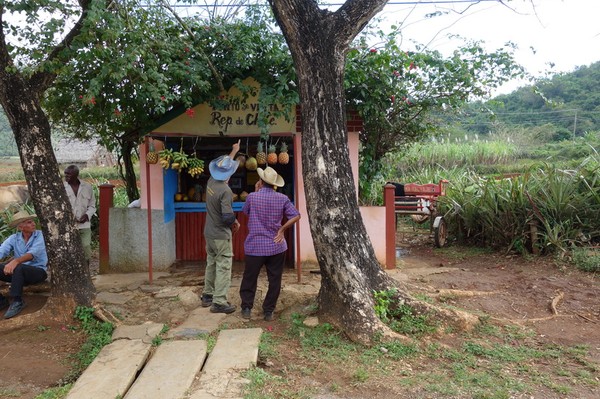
[265,244]
[28,264]
[220,225]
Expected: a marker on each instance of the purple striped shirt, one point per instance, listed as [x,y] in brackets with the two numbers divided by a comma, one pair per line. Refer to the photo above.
[266,210]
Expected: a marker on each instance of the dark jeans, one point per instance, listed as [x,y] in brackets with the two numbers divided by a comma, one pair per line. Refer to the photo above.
[22,275]
[274,266]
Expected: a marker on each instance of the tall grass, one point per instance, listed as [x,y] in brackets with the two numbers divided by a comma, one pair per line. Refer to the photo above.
[540,206]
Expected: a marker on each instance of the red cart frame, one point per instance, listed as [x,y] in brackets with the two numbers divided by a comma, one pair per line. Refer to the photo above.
[420,201]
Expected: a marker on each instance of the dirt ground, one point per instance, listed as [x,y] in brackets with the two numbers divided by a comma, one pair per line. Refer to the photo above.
[518,289]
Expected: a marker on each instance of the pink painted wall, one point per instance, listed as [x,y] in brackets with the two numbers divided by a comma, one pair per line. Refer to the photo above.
[156,179]
[373,217]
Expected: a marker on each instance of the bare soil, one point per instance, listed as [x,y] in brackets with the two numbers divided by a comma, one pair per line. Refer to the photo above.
[560,304]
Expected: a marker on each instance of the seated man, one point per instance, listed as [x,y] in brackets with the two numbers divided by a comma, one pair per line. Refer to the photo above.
[28,263]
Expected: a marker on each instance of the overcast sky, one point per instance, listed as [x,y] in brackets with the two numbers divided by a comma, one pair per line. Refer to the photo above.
[563,32]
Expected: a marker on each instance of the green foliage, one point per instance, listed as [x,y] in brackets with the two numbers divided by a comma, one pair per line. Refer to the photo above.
[400,95]
[587,259]
[56,392]
[401,317]
[98,335]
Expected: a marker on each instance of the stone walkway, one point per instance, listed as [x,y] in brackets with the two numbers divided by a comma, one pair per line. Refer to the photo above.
[131,367]
[144,361]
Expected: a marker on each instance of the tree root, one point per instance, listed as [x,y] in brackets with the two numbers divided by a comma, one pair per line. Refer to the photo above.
[555,302]
[105,315]
[445,293]
[57,310]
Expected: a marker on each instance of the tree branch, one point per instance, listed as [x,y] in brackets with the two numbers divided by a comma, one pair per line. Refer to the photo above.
[41,80]
[193,37]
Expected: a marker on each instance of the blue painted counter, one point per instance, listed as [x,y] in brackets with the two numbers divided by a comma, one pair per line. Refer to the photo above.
[201,206]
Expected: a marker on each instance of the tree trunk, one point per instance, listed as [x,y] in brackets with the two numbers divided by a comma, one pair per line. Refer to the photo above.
[70,273]
[350,272]
[128,174]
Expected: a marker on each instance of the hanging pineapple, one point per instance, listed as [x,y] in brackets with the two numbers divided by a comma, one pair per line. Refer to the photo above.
[152,155]
[261,157]
[272,156]
[284,157]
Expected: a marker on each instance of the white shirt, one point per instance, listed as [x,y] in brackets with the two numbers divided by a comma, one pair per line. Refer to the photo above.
[83,203]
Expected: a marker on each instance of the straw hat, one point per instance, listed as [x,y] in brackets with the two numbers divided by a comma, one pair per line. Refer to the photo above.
[271,177]
[20,217]
[222,168]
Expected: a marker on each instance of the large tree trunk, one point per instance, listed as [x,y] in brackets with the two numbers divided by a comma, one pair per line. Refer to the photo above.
[350,272]
[70,274]
[20,97]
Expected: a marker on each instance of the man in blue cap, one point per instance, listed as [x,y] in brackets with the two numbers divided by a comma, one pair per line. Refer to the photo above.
[220,225]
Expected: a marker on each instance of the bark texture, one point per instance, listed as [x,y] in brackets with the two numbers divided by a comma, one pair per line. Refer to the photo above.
[20,97]
[319,40]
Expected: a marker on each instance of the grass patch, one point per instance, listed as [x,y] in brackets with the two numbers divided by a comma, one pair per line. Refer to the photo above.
[587,259]
[98,335]
[493,361]
[55,393]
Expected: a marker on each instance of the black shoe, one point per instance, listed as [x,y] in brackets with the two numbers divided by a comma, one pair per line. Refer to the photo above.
[269,316]
[229,308]
[246,313]
[206,300]
[14,309]
[3,302]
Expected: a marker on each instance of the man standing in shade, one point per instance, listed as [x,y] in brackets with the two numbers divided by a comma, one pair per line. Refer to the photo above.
[82,199]
[218,230]
[265,244]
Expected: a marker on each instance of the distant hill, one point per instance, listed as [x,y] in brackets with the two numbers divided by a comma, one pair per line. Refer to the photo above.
[570,102]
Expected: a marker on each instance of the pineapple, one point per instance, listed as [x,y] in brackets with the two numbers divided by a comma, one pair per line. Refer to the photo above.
[152,155]
[272,156]
[284,157]
[261,157]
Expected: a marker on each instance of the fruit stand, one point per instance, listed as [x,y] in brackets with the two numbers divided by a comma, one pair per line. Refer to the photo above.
[185,160]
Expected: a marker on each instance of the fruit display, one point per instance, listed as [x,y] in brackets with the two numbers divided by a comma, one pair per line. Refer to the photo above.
[152,155]
[165,158]
[180,161]
[251,164]
[272,156]
[261,157]
[195,166]
[243,196]
[241,159]
[284,157]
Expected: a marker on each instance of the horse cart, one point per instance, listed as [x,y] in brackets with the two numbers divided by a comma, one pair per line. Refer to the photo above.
[420,202]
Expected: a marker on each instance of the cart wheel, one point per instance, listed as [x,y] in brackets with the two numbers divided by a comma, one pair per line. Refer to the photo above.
[440,232]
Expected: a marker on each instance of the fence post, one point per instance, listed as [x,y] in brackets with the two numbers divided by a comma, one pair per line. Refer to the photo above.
[390,226]
[106,202]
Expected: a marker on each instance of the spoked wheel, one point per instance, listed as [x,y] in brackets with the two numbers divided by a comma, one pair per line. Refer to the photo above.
[440,231]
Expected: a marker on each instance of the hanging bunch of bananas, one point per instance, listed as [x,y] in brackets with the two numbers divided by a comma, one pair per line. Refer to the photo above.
[195,166]
[180,160]
[165,158]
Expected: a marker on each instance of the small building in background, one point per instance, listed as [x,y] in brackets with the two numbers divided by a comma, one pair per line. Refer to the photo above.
[89,153]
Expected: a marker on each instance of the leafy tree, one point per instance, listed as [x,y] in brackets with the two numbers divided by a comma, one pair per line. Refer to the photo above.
[34,43]
[399,94]
[141,62]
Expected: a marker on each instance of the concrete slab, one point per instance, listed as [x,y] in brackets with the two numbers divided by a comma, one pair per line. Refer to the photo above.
[200,321]
[235,349]
[112,372]
[221,385]
[170,372]
[145,332]
[105,282]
